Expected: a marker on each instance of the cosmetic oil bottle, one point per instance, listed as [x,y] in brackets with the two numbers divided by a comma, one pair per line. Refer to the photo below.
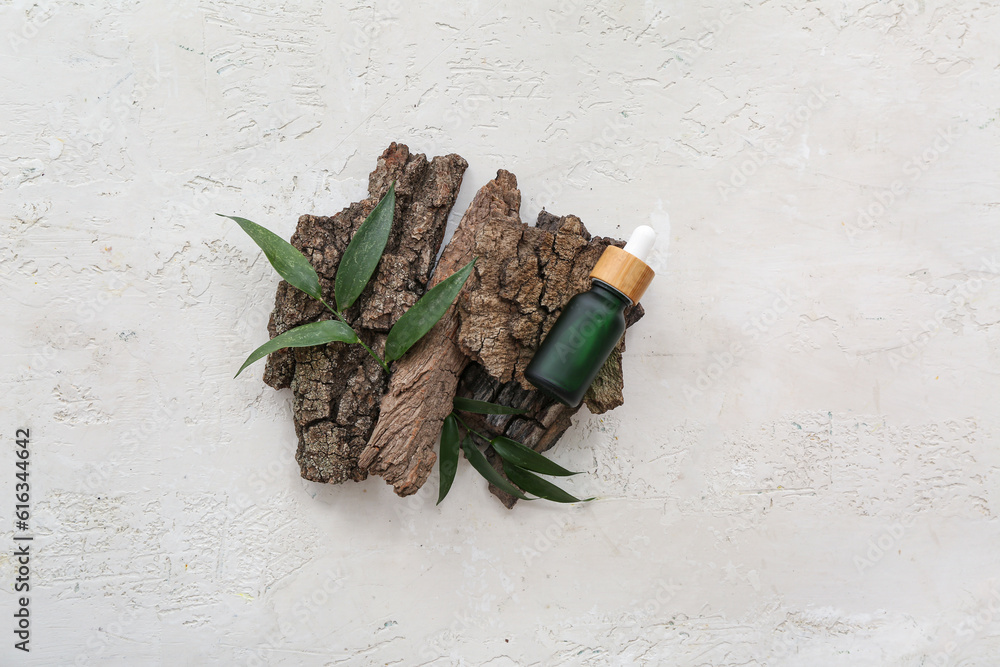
[593,322]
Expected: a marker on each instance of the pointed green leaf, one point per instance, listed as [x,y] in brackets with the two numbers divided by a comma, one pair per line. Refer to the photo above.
[448,457]
[479,462]
[485,407]
[527,458]
[283,256]
[307,335]
[537,486]
[361,257]
[425,313]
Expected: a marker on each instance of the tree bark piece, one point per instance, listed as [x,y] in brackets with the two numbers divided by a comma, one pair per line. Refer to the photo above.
[566,273]
[526,276]
[337,387]
[423,382]
[523,277]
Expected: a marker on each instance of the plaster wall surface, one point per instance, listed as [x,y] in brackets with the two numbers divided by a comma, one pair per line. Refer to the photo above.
[806,467]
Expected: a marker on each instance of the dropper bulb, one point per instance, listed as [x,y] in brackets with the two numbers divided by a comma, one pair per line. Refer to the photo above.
[641,242]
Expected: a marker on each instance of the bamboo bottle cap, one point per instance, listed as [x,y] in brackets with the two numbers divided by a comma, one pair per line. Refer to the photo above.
[624,271]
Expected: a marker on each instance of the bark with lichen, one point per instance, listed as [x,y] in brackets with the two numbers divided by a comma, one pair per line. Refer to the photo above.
[350,417]
[337,387]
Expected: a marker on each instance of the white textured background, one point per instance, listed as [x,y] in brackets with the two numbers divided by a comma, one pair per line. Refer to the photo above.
[805,471]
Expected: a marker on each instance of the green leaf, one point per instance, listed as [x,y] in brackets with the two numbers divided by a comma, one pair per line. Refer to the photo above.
[527,458]
[363,253]
[448,457]
[485,407]
[425,313]
[479,462]
[535,485]
[307,335]
[283,256]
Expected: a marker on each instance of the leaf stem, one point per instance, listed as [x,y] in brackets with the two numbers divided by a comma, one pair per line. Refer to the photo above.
[470,429]
[370,351]
[323,301]
[375,356]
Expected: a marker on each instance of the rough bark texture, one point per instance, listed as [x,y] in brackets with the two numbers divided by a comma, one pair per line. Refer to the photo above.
[337,387]
[350,418]
[524,276]
[424,381]
[506,315]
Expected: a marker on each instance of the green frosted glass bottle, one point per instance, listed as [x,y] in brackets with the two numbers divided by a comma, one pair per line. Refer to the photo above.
[592,323]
